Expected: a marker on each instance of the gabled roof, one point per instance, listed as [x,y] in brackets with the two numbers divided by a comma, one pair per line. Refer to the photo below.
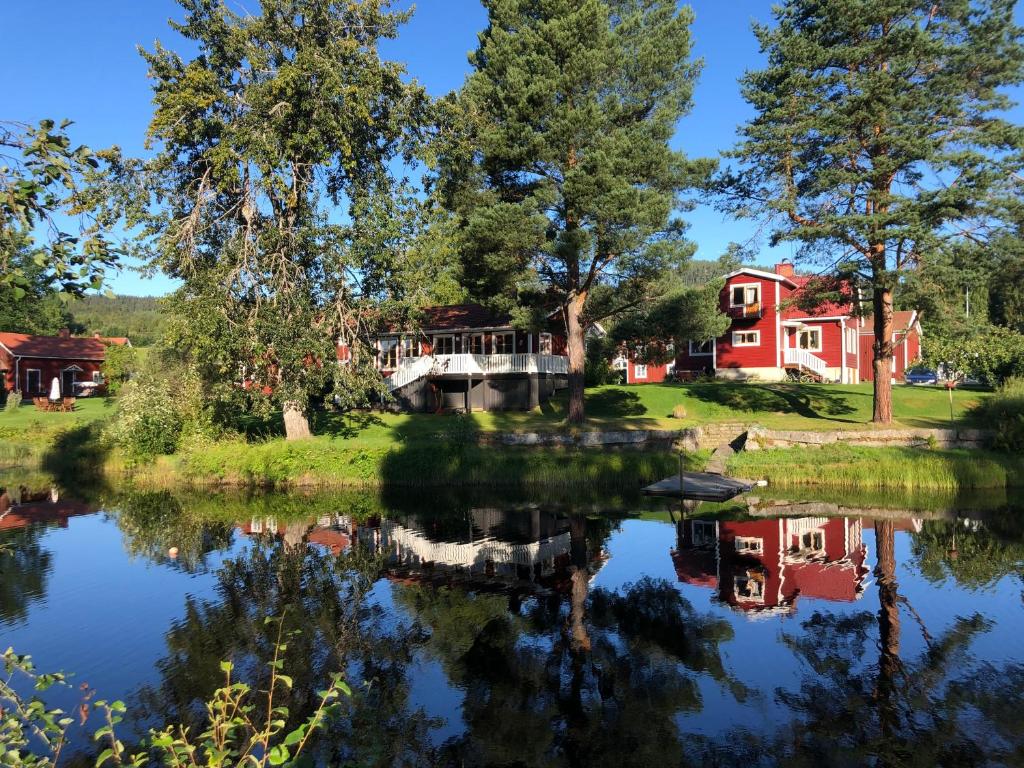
[761,274]
[53,347]
[461,316]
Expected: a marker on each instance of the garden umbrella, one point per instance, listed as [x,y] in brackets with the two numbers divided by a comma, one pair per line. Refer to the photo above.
[55,389]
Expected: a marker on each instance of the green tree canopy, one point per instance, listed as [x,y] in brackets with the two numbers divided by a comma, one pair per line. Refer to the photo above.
[557,160]
[276,199]
[878,138]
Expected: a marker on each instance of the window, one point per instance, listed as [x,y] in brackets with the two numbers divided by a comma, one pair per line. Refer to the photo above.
[851,340]
[97,377]
[503,343]
[620,363]
[746,338]
[33,381]
[639,371]
[745,295]
[749,544]
[701,347]
[408,347]
[545,344]
[809,339]
[444,345]
[813,540]
[750,586]
[388,354]
[476,344]
[704,533]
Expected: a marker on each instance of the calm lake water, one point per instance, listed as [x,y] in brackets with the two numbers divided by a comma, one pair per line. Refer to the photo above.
[479,632]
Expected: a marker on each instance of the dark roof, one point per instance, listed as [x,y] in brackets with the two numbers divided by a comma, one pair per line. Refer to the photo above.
[54,347]
[458,316]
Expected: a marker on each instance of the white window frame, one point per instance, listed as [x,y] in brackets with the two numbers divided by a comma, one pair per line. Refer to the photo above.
[809,331]
[810,547]
[546,344]
[388,347]
[639,371]
[620,363]
[755,343]
[97,377]
[749,544]
[508,337]
[695,350]
[437,343]
[746,287]
[473,339]
[407,348]
[39,376]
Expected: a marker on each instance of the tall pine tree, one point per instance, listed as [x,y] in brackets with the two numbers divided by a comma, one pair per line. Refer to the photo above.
[558,160]
[878,137]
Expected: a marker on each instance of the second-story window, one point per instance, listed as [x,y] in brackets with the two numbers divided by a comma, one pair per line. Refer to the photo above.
[545,344]
[745,295]
[388,354]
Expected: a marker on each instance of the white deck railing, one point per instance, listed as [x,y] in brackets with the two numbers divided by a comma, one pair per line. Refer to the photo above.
[805,359]
[466,364]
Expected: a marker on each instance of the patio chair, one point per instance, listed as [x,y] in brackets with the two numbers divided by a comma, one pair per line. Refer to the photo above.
[67,404]
[41,403]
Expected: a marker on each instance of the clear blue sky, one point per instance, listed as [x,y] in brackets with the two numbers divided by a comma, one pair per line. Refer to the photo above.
[78,59]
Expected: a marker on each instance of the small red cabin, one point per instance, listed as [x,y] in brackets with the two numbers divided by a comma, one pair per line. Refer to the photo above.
[30,363]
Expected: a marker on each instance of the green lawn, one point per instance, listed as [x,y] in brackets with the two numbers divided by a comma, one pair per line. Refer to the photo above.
[649,406]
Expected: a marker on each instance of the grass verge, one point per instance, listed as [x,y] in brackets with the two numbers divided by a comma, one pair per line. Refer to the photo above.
[846,466]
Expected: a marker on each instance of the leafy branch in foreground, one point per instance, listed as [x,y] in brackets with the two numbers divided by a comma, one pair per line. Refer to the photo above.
[237,732]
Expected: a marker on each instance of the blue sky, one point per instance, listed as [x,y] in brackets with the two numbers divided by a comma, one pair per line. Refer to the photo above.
[76,59]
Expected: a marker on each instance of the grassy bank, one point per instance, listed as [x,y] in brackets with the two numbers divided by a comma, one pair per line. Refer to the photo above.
[907,469]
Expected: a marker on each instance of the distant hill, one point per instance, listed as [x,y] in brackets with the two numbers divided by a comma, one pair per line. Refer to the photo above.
[137,317]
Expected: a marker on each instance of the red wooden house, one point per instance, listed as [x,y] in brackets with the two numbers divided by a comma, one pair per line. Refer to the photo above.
[466,357]
[906,340]
[772,338]
[31,363]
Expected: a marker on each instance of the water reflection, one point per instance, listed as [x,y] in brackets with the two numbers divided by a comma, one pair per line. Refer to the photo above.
[548,635]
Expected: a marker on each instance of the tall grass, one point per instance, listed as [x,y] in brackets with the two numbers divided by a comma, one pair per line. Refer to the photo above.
[1003,413]
[846,466]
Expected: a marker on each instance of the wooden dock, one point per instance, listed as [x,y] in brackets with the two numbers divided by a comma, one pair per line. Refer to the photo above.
[701,486]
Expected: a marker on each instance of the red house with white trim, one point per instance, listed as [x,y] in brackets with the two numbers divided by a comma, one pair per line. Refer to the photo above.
[30,363]
[772,338]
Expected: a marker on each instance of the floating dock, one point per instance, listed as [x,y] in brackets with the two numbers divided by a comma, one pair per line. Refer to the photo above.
[701,486]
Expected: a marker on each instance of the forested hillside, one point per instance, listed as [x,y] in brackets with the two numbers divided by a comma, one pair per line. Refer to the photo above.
[137,317]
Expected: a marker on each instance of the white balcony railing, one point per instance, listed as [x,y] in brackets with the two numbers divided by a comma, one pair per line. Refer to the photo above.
[466,364]
[806,360]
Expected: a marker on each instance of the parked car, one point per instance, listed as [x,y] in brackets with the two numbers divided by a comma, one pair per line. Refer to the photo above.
[922,376]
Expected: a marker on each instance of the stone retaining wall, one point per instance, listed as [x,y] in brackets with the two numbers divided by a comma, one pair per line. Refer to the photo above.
[743,437]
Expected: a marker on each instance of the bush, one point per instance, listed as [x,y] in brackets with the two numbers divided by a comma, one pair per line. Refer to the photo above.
[679,411]
[1004,413]
[147,422]
[13,400]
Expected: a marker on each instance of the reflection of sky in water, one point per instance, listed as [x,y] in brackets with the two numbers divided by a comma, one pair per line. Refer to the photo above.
[105,615]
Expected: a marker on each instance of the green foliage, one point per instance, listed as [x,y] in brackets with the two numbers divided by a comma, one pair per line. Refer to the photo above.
[120,364]
[235,731]
[283,117]
[139,318]
[33,306]
[556,158]
[46,183]
[147,422]
[989,353]
[864,113]
[1003,413]
[13,400]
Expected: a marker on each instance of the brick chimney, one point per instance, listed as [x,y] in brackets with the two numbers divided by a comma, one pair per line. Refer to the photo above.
[64,333]
[785,268]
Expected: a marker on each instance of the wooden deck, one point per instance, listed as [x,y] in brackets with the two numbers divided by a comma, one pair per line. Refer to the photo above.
[701,486]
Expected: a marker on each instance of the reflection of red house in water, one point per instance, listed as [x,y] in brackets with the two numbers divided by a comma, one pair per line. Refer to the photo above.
[319,533]
[14,516]
[762,566]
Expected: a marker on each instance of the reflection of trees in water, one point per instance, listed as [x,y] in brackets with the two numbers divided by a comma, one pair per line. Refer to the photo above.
[976,554]
[869,705]
[329,624]
[24,571]
[153,522]
[537,692]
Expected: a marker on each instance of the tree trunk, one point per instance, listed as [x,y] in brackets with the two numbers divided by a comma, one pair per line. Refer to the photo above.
[882,362]
[888,630]
[577,357]
[296,423]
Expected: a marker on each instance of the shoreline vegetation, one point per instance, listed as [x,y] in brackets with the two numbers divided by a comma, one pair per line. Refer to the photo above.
[379,450]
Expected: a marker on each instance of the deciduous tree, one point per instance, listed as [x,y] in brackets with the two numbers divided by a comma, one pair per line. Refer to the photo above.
[879,137]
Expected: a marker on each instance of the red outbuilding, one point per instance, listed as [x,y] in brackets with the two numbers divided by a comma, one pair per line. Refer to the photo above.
[29,363]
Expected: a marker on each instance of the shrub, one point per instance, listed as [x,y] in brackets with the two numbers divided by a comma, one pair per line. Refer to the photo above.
[1003,412]
[679,411]
[13,400]
[147,422]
